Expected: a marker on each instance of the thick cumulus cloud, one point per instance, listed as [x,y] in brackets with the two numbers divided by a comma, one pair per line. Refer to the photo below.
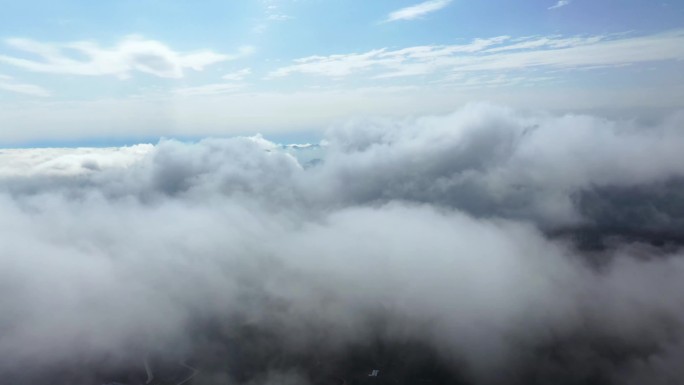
[489,160]
[489,246]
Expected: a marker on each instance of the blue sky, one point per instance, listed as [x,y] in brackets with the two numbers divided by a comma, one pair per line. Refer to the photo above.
[122,70]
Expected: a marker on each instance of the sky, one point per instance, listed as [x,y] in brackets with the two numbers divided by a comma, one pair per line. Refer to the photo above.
[125,71]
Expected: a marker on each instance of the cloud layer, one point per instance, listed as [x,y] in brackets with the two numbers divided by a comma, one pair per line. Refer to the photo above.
[484,241]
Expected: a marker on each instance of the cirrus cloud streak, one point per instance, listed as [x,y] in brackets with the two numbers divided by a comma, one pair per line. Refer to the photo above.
[132,54]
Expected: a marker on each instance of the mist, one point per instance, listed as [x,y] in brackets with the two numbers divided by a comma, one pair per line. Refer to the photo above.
[486,246]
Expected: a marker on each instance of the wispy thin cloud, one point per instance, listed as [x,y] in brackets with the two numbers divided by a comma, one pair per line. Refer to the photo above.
[400,61]
[237,75]
[560,3]
[132,54]
[417,11]
[278,17]
[272,14]
[7,83]
[497,54]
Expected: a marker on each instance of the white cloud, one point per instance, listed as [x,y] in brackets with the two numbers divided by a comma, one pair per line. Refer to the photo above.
[7,83]
[346,64]
[585,53]
[278,17]
[417,11]
[560,3]
[547,42]
[232,84]
[501,53]
[68,161]
[272,14]
[132,54]
[237,75]
[333,65]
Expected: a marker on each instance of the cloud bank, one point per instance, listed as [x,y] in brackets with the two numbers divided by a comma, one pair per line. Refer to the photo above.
[486,246]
